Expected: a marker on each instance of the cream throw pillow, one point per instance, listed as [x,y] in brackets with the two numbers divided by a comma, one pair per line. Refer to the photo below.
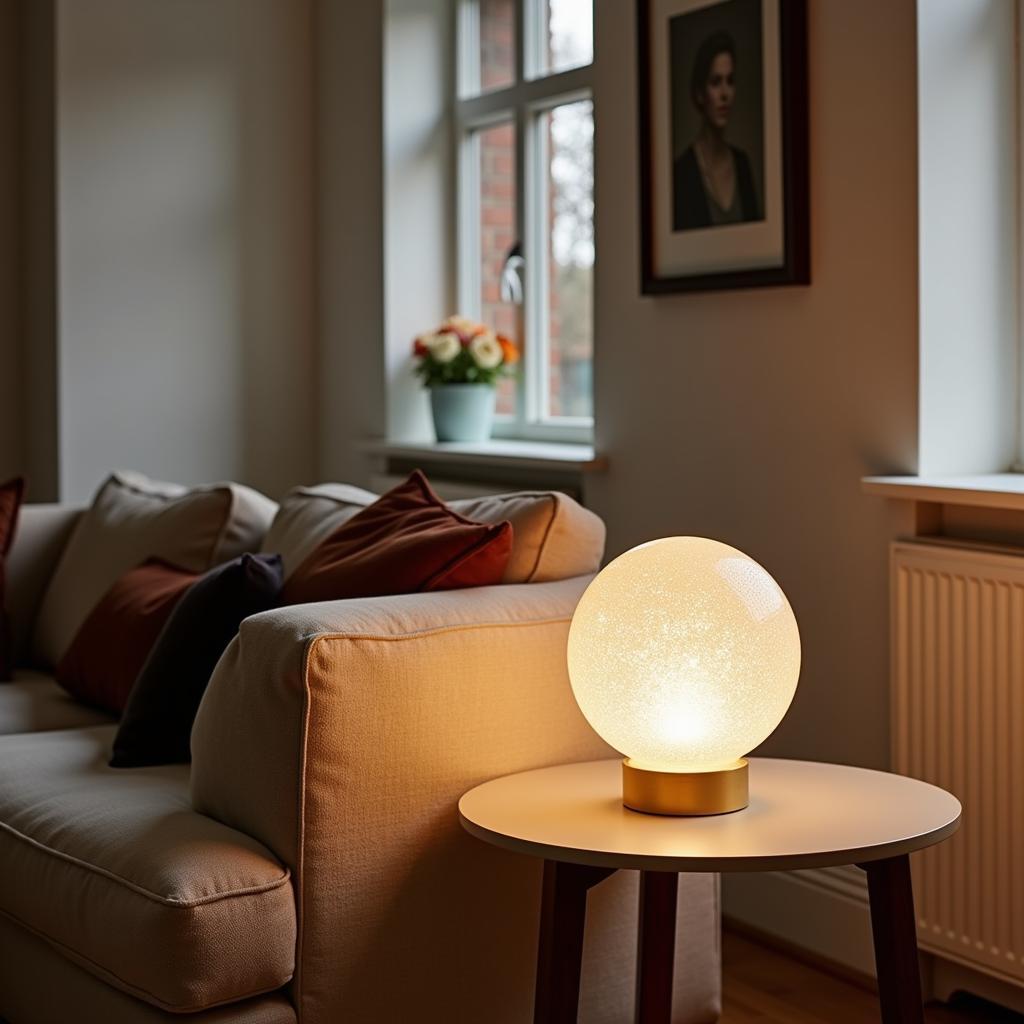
[133,518]
[309,515]
[553,536]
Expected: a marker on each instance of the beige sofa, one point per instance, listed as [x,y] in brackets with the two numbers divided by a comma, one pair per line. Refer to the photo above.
[309,866]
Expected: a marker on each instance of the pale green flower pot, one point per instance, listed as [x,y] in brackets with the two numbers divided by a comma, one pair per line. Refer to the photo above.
[462,412]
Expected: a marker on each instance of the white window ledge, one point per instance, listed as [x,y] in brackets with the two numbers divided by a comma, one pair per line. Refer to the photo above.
[985,490]
[579,458]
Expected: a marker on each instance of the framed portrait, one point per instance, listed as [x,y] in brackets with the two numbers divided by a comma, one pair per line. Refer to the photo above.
[723,144]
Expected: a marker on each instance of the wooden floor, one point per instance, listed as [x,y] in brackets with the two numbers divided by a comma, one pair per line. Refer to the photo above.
[764,986]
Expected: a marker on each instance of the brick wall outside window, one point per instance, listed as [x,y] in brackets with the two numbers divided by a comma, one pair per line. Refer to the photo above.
[570,300]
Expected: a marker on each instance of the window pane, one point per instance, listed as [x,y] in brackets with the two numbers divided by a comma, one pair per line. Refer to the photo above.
[497,177]
[568,34]
[570,200]
[497,22]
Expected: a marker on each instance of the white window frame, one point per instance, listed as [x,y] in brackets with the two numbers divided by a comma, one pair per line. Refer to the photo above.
[533,93]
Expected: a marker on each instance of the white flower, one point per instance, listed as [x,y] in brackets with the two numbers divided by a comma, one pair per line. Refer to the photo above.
[486,351]
[461,325]
[444,347]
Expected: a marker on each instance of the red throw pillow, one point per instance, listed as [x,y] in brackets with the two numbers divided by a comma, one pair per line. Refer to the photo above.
[405,542]
[11,494]
[111,646]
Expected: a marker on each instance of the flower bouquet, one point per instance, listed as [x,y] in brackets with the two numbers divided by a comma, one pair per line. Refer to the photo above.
[461,362]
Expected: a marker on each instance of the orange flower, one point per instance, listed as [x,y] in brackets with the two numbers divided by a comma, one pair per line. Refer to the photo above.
[509,348]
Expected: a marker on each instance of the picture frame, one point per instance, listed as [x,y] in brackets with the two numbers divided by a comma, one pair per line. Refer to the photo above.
[723,144]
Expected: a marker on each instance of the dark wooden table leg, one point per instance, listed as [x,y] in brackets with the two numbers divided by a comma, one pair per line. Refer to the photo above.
[656,948]
[895,932]
[563,915]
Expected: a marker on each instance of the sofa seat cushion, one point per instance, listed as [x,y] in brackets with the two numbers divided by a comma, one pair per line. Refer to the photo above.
[116,871]
[34,702]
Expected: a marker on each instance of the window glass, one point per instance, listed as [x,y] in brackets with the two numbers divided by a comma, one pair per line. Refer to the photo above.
[568,27]
[497,44]
[496,152]
[569,131]
[527,272]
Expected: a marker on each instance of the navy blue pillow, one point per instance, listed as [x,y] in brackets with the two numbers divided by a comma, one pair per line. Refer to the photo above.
[157,723]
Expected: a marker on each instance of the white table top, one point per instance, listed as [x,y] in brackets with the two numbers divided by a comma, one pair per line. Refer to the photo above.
[802,814]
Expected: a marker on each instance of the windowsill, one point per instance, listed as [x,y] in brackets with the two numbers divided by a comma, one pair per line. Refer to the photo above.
[986,490]
[580,458]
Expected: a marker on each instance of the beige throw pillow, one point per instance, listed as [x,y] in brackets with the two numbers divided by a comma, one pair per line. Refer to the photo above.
[553,537]
[309,515]
[132,519]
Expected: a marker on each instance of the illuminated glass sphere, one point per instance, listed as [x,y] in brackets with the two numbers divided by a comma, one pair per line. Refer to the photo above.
[684,654]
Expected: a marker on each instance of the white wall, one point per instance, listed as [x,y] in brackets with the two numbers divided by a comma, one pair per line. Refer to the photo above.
[39,224]
[186,263]
[350,217]
[751,416]
[969,227]
[12,453]
[419,197]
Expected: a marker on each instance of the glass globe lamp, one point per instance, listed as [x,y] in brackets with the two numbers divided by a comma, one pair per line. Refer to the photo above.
[684,655]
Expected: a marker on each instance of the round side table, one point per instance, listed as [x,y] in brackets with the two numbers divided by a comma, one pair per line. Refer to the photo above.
[801,815]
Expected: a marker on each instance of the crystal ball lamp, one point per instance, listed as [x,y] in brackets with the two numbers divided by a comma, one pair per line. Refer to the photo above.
[684,656]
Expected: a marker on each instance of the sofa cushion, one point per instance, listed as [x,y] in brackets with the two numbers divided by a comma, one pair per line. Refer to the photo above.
[35,703]
[108,652]
[73,994]
[553,536]
[133,518]
[157,723]
[307,516]
[43,534]
[406,542]
[10,501]
[117,871]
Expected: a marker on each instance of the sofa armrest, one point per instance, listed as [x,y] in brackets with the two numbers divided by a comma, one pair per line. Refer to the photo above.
[342,734]
[40,537]
[464,685]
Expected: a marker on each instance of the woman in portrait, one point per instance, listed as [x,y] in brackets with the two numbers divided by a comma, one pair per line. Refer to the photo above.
[712,182]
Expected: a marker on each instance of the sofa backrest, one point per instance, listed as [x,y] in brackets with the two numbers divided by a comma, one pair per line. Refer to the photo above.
[553,536]
[39,540]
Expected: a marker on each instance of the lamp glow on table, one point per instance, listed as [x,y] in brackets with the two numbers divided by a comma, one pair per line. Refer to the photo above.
[801,815]
[684,655]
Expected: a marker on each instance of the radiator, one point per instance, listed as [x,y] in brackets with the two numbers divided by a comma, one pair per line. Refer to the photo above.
[958,722]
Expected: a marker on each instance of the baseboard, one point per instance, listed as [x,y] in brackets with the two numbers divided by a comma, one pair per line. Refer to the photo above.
[946,977]
[824,911]
[825,914]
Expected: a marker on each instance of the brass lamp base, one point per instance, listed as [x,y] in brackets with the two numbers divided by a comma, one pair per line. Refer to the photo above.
[685,793]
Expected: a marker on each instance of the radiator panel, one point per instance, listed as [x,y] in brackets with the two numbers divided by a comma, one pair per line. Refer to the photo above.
[958,722]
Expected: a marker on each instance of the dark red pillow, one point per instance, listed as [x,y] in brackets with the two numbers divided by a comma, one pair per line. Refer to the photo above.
[405,542]
[111,646]
[11,494]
